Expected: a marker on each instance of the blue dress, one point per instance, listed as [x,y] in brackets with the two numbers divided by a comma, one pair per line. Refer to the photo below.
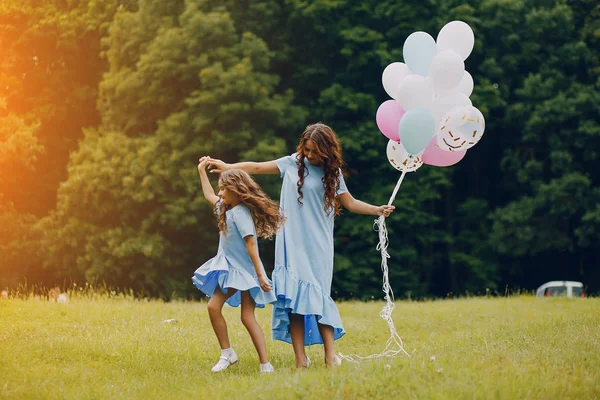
[304,256]
[232,266]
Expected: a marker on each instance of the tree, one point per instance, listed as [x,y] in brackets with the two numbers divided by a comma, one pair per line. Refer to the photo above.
[548,230]
[182,83]
[19,149]
[335,51]
[49,71]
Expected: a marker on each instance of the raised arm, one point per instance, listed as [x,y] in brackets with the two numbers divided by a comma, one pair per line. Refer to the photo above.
[360,207]
[207,189]
[251,167]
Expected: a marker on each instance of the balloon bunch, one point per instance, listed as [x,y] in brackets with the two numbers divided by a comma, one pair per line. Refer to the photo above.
[431,119]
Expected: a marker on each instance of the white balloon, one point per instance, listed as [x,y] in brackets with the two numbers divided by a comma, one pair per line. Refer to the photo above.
[400,159]
[415,91]
[466,84]
[473,127]
[392,76]
[445,102]
[457,36]
[460,129]
[449,140]
[447,69]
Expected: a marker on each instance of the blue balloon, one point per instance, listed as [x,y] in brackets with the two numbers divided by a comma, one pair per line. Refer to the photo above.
[419,50]
[417,127]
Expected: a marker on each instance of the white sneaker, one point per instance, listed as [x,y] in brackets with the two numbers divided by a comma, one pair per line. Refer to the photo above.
[308,362]
[267,369]
[225,362]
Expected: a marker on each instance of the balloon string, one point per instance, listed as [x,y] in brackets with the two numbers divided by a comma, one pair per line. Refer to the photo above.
[394,345]
[393,197]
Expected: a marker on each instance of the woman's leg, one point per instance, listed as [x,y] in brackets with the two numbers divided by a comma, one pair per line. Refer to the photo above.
[297,334]
[255,331]
[326,332]
[215,307]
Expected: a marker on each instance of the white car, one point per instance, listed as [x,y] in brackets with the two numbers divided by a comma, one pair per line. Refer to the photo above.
[568,289]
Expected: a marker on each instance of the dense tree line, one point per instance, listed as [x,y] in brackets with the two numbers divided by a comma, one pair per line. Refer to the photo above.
[105,106]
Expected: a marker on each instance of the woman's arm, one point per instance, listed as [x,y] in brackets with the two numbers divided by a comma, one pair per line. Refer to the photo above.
[260,272]
[267,167]
[360,207]
[207,189]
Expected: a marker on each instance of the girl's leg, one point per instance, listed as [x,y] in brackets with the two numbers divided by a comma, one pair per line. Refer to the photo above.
[297,334]
[326,332]
[255,331]
[215,306]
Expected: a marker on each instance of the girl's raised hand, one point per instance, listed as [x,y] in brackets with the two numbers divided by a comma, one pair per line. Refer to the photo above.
[203,163]
[217,166]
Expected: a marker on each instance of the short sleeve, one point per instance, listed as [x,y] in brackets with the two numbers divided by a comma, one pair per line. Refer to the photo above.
[284,163]
[244,222]
[342,189]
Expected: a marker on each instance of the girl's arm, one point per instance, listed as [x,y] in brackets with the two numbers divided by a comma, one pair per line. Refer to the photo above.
[360,207]
[207,189]
[267,167]
[252,249]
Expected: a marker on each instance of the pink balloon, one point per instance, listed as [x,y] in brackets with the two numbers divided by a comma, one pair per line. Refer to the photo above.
[433,155]
[388,119]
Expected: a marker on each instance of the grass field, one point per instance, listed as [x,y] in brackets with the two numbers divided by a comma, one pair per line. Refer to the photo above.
[507,348]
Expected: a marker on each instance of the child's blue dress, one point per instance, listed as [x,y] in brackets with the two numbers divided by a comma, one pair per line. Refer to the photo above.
[232,266]
[304,256]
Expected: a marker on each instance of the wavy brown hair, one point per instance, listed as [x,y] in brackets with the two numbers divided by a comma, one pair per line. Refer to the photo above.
[330,152]
[265,212]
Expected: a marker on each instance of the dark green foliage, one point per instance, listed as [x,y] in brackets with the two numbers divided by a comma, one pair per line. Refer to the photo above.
[135,94]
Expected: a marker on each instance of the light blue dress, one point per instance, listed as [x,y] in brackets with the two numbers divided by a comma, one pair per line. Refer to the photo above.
[304,256]
[232,266]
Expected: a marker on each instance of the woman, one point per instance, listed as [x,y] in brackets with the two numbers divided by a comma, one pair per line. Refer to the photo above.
[312,194]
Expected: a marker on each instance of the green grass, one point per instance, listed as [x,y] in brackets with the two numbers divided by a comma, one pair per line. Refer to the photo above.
[509,348]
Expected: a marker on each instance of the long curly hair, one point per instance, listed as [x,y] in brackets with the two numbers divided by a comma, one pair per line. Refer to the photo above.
[330,152]
[265,212]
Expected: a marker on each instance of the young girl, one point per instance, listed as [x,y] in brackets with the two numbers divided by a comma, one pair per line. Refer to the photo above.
[236,274]
[312,194]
